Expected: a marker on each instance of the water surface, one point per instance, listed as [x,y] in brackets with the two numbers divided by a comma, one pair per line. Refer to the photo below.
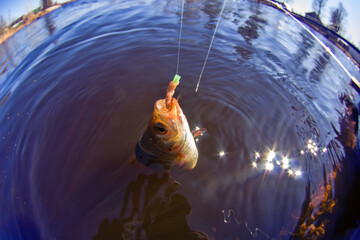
[78,88]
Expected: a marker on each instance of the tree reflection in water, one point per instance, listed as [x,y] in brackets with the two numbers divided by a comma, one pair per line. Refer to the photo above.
[152,209]
[315,213]
[250,30]
[320,212]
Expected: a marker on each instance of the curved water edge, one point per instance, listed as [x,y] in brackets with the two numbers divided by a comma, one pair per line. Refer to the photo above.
[77,91]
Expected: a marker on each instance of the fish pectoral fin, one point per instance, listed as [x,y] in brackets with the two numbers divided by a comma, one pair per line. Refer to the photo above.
[198,132]
[180,155]
[180,159]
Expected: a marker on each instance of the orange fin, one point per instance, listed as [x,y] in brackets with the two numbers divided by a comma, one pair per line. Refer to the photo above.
[198,132]
[181,155]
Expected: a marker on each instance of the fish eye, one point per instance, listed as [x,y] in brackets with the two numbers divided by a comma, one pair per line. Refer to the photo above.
[160,128]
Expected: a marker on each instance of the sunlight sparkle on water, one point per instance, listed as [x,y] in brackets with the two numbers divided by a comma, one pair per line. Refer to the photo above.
[276,163]
[298,173]
[269,166]
[271,156]
[327,49]
[221,153]
[285,163]
[312,147]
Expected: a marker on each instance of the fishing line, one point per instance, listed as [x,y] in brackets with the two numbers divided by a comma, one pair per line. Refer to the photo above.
[211,42]
[327,49]
[181,24]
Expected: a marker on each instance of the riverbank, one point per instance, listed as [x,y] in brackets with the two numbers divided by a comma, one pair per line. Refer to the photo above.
[343,44]
[348,48]
[26,20]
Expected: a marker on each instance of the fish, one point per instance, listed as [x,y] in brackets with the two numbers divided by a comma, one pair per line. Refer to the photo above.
[167,139]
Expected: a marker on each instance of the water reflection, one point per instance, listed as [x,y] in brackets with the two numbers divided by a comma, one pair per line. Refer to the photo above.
[307,42]
[3,101]
[6,57]
[244,52]
[321,62]
[315,212]
[251,29]
[212,9]
[191,13]
[346,210]
[152,209]
[77,108]
[49,23]
[349,124]
[324,205]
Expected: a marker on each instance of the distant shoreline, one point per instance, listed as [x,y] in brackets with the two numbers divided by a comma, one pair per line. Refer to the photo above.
[28,19]
[339,41]
[32,17]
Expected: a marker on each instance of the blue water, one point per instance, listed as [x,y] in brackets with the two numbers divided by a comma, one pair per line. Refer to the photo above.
[77,88]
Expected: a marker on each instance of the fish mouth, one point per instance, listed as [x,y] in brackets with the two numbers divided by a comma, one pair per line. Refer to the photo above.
[172,112]
[151,160]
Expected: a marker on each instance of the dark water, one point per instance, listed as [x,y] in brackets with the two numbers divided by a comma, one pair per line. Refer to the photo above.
[77,90]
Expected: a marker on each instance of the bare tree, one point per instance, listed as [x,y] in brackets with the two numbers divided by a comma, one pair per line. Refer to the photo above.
[337,18]
[318,5]
[10,18]
[46,3]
